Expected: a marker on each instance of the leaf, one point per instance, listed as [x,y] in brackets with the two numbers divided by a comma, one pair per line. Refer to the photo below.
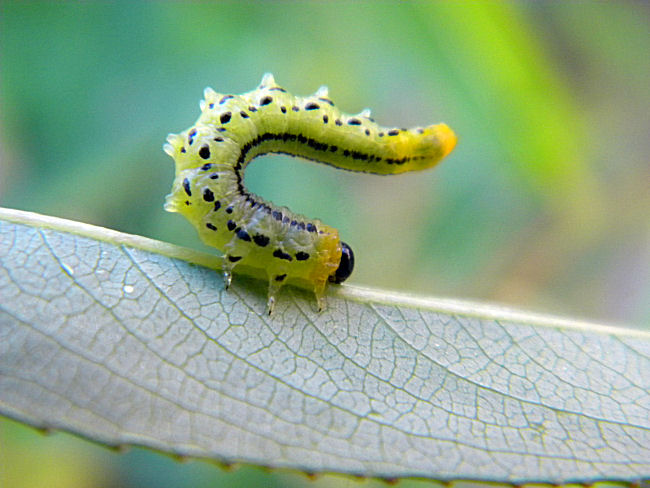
[118,339]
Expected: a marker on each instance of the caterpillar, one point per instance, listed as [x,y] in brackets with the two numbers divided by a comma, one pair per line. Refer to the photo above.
[211,157]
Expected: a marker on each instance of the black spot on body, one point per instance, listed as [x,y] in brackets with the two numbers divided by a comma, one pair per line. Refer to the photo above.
[283,109]
[208,196]
[186,187]
[217,205]
[218,139]
[234,259]
[280,277]
[393,132]
[243,235]
[280,254]
[311,227]
[204,152]
[252,109]
[338,122]
[367,132]
[354,122]
[214,176]
[319,146]
[206,166]
[225,117]
[325,118]
[277,88]
[231,225]
[224,98]
[312,106]
[210,226]
[266,100]
[294,108]
[261,240]
[229,209]
[243,114]
[302,256]
[359,155]
[277,215]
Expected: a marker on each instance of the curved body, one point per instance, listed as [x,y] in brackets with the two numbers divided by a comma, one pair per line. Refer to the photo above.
[232,130]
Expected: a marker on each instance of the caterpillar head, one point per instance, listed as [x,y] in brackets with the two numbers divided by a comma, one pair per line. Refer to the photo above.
[346,265]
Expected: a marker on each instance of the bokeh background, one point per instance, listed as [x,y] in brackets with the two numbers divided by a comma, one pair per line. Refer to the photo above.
[544,205]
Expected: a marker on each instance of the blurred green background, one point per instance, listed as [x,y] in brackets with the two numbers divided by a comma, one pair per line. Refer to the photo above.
[544,205]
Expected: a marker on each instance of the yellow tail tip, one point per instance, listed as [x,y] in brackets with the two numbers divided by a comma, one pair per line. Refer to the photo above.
[446,138]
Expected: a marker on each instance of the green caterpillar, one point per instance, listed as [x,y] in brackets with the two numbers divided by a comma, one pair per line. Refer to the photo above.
[232,130]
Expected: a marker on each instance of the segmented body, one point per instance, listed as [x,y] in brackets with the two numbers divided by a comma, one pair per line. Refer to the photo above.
[232,130]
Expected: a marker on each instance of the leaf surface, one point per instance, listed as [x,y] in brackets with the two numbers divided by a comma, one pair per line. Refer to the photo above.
[120,339]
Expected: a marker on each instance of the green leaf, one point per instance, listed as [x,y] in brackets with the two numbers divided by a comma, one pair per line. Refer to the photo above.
[119,339]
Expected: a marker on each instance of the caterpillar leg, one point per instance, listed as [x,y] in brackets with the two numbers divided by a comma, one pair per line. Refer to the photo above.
[319,293]
[227,278]
[233,254]
[275,284]
[229,262]
[320,303]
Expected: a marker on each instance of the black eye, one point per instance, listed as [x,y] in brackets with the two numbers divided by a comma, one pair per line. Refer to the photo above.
[346,265]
